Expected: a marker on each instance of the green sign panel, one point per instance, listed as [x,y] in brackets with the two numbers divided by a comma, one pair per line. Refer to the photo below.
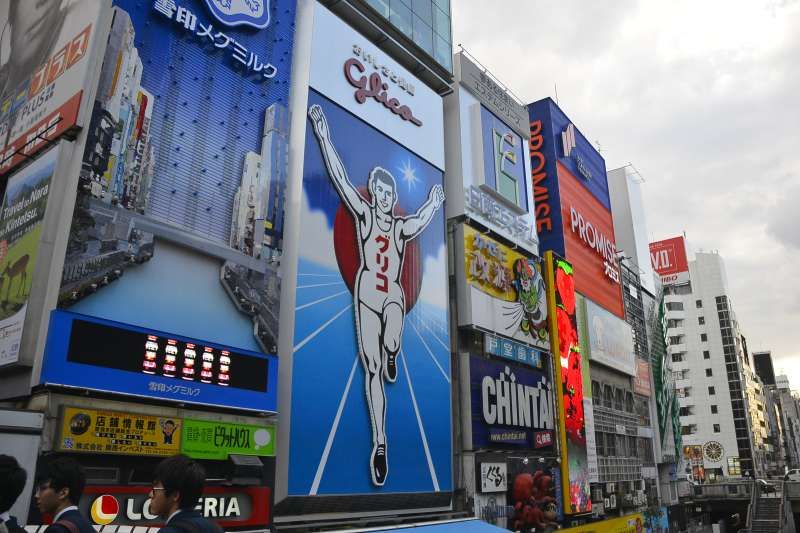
[217,440]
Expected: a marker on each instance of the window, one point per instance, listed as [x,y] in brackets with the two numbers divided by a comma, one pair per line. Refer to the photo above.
[674,306]
[714,410]
[709,373]
[686,411]
[698,303]
[674,323]
[701,320]
[703,337]
[706,354]
[711,391]
[734,469]
[717,428]
[677,357]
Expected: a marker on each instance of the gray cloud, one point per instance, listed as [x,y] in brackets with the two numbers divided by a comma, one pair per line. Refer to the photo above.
[703,99]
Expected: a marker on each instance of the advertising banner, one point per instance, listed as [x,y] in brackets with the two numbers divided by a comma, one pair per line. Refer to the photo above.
[110,507]
[632,523]
[573,209]
[569,379]
[533,495]
[641,381]
[494,477]
[610,339]
[21,215]
[203,439]
[512,351]
[512,407]
[178,221]
[100,431]
[504,291]
[669,260]
[108,356]
[371,359]
[46,48]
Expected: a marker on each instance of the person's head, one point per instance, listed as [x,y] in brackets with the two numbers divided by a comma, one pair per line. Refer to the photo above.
[60,485]
[168,428]
[13,477]
[177,484]
[32,25]
[383,189]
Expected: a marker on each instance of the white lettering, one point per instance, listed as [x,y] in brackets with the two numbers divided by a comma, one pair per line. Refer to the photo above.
[489,410]
[509,403]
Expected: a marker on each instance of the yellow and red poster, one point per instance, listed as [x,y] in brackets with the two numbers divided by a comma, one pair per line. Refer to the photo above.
[100,431]
[505,291]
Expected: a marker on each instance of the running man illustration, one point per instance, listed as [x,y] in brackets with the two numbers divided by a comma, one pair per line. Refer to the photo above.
[378,297]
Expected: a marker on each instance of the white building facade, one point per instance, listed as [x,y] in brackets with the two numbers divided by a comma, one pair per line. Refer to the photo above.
[723,423]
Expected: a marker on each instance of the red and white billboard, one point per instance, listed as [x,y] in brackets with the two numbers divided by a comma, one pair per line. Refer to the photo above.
[589,243]
[669,260]
[46,68]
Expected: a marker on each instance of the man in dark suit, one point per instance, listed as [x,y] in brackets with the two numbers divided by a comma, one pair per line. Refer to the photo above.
[12,482]
[58,492]
[177,486]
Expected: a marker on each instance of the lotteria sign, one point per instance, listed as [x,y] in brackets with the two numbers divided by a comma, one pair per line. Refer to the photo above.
[512,406]
[116,505]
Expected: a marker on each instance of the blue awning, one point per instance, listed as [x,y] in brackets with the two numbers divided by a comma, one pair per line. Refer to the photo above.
[468,525]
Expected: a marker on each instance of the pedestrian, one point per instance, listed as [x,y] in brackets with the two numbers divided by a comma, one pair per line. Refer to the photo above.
[58,492]
[13,479]
[177,486]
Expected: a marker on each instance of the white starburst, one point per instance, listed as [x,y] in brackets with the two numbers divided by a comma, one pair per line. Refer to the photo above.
[407,172]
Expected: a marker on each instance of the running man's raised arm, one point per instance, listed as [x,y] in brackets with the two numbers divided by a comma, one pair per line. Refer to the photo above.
[416,223]
[333,162]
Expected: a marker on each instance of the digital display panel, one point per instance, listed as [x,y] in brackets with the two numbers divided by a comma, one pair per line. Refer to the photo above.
[97,344]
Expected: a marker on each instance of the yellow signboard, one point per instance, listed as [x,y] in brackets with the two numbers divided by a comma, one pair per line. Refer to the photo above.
[632,523]
[489,265]
[99,431]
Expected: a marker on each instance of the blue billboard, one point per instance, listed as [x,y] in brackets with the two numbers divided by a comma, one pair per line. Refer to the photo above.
[512,406]
[92,353]
[555,141]
[178,221]
[371,375]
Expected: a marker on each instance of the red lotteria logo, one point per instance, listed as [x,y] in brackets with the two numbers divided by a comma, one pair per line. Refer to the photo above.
[104,509]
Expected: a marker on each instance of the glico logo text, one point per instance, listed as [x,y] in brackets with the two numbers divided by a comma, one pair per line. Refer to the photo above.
[374,86]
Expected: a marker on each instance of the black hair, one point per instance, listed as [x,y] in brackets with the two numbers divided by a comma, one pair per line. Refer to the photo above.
[65,472]
[384,176]
[179,473]
[13,477]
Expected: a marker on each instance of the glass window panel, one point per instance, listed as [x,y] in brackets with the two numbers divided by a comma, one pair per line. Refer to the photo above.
[444,4]
[424,10]
[443,53]
[441,23]
[401,16]
[381,6]
[423,35]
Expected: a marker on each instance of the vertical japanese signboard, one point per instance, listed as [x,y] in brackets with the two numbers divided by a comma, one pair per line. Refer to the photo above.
[21,216]
[569,380]
[177,230]
[371,320]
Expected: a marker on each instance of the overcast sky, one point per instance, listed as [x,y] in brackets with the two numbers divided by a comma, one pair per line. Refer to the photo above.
[704,99]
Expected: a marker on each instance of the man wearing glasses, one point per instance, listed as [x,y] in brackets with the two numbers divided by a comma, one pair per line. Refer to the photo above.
[58,493]
[177,486]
